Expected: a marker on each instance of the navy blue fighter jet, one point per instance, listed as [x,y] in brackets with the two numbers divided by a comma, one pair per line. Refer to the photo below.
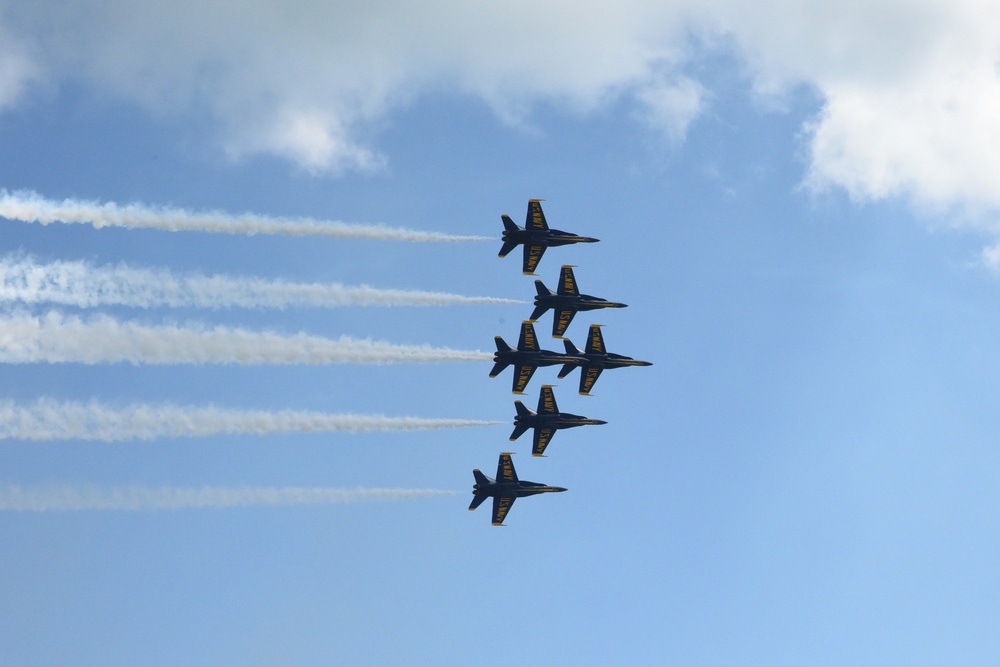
[596,359]
[566,301]
[505,489]
[536,236]
[527,357]
[545,421]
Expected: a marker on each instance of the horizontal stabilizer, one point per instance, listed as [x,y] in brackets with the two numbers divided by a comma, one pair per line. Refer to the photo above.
[502,345]
[518,431]
[522,409]
[566,370]
[477,500]
[498,368]
[481,479]
[507,247]
[538,312]
[509,224]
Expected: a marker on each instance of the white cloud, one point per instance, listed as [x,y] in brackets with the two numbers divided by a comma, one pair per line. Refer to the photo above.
[911,93]
[301,79]
[910,88]
[670,106]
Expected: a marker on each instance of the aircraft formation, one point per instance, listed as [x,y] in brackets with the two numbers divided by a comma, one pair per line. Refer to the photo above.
[565,303]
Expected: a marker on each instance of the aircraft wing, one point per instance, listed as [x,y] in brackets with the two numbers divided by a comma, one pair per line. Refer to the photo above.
[561,317]
[567,282]
[527,341]
[595,341]
[535,219]
[532,255]
[505,469]
[588,376]
[541,440]
[547,401]
[522,374]
[501,505]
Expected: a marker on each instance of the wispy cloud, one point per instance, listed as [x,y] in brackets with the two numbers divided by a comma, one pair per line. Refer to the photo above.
[49,419]
[909,89]
[136,498]
[81,284]
[55,338]
[30,207]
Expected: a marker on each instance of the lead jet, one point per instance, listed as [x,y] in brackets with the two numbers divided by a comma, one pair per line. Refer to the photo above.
[536,236]
[566,301]
[596,359]
[545,421]
[505,489]
[527,357]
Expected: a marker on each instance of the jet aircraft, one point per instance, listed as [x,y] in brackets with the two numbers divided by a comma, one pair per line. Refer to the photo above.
[536,236]
[566,301]
[545,421]
[505,489]
[596,359]
[527,357]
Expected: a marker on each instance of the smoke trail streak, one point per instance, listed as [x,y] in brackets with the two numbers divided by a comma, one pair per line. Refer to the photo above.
[54,338]
[27,206]
[48,419]
[80,284]
[135,498]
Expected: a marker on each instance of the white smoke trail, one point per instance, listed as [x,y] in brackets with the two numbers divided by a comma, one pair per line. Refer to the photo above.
[134,498]
[54,338]
[80,284]
[27,206]
[48,419]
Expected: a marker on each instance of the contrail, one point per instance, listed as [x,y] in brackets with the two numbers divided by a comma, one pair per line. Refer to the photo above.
[27,206]
[54,338]
[80,284]
[48,419]
[136,498]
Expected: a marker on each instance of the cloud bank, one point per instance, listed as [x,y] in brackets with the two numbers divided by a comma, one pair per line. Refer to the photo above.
[910,89]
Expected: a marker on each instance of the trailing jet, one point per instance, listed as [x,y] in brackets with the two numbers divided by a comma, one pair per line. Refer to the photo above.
[546,421]
[596,359]
[527,357]
[505,489]
[566,301]
[536,236]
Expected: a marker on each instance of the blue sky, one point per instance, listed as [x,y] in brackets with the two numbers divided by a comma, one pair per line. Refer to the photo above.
[800,220]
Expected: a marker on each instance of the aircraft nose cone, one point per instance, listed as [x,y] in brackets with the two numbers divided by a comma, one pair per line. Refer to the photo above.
[599,422]
[559,488]
[619,305]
